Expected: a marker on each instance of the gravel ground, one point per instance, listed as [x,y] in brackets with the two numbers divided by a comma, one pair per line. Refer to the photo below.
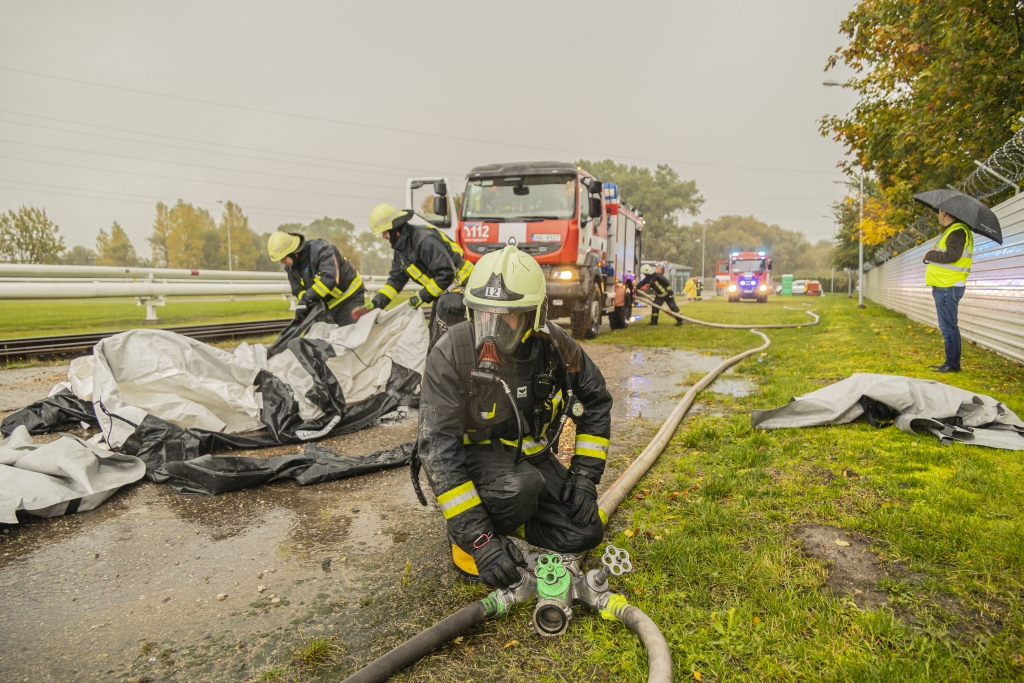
[158,586]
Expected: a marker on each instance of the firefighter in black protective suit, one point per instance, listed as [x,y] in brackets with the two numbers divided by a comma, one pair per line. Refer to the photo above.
[318,271]
[663,293]
[493,468]
[428,256]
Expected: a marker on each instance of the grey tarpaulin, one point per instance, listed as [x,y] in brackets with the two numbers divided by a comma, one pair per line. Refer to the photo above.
[914,405]
[65,476]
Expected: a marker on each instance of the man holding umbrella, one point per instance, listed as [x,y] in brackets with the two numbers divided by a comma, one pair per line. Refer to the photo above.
[949,263]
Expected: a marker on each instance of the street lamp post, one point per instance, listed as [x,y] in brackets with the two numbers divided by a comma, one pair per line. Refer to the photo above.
[860,247]
[703,243]
[227,223]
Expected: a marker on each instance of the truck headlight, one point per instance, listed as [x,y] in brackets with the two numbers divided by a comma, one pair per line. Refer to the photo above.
[732,288]
[764,288]
[563,274]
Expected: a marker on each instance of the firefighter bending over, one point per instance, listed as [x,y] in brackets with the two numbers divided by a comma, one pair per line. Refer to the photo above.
[496,390]
[663,294]
[317,271]
[425,254]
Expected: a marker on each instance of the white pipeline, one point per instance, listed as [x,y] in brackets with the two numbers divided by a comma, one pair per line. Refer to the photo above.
[80,288]
[40,270]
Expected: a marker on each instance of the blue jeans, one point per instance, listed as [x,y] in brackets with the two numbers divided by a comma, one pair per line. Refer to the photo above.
[947,303]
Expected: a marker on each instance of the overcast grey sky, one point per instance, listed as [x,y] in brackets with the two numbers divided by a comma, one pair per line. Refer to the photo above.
[302,109]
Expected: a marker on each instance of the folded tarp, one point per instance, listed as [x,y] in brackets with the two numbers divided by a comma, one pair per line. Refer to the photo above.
[915,405]
[169,399]
[65,476]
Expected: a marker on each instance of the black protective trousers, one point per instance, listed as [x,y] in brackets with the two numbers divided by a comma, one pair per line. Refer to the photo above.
[342,313]
[669,300]
[529,493]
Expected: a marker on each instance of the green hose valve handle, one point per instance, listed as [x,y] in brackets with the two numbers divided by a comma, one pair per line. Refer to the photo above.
[553,579]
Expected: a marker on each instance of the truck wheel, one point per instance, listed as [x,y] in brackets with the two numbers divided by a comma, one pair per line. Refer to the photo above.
[619,318]
[586,322]
[733,299]
[763,299]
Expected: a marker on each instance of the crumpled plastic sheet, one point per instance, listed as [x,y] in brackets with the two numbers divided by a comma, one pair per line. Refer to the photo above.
[914,405]
[61,477]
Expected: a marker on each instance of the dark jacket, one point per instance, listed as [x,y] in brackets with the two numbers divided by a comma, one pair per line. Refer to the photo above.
[659,283]
[319,271]
[448,426]
[954,250]
[426,255]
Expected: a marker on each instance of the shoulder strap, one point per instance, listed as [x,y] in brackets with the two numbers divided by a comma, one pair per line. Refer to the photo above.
[462,348]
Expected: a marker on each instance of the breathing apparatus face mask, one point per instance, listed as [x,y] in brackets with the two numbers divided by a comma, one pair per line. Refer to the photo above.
[504,330]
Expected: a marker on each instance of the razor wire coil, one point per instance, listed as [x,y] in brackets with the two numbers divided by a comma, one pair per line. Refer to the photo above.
[982,183]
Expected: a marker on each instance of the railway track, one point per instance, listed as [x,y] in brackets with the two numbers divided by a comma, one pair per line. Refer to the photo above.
[78,344]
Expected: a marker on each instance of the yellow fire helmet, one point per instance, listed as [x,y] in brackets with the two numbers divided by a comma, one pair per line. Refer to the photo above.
[282,244]
[505,297]
[383,218]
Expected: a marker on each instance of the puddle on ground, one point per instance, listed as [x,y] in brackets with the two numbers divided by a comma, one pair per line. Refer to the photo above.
[83,594]
[731,386]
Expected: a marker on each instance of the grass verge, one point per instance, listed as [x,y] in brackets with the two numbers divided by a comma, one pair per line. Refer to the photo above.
[713,529]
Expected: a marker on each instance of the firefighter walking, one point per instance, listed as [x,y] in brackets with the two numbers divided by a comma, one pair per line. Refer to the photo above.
[317,271]
[496,391]
[654,281]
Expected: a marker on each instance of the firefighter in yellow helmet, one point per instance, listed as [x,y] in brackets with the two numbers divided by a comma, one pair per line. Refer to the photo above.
[496,391]
[426,255]
[318,272]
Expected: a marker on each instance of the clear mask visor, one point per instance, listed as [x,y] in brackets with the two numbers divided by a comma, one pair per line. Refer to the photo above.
[506,330]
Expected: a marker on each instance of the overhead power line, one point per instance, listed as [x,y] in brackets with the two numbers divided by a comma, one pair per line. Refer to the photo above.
[152,199]
[185,163]
[189,180]
[405,171]
[390,129]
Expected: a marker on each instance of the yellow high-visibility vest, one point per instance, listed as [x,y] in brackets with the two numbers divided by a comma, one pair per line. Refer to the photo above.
[949,274]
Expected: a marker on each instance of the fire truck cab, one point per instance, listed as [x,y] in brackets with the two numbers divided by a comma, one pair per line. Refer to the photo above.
[585,237]
[750,275]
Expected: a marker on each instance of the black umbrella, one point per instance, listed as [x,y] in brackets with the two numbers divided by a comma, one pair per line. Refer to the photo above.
[966,209]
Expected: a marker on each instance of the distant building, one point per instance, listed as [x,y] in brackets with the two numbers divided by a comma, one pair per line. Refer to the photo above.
[676,273]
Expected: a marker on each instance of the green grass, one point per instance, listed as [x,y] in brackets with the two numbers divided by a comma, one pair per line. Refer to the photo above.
[710,530]
[78,316]
[75,316]
[315,651]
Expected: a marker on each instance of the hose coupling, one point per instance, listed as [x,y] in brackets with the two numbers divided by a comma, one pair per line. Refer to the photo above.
[499,601]
[553,612]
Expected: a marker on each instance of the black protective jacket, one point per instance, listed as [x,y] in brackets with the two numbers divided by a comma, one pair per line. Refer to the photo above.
[658,283]
[456,416]
[319,271]
[426,255]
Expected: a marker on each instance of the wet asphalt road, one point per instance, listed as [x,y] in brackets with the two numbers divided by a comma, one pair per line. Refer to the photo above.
[154,585]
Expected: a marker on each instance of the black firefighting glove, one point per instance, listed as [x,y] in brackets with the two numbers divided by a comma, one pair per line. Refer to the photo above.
[302,308]
[497,560]
[580,492]
[415,301]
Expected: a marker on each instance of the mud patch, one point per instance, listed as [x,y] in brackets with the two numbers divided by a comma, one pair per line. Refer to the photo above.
[855,568]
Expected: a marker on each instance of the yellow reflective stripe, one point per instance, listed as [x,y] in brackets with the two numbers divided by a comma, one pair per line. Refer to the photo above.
[950,266]
[464,272]
[556,401]
[415,272]
[488,416]
[432,286]
[454,246]
[357,283]
[530,447]
[603,515]
[592,446]
[388,291]
[319,287]
[459,499]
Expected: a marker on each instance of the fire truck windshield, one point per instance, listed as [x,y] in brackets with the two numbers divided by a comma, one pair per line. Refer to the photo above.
[520,198]
[747,265]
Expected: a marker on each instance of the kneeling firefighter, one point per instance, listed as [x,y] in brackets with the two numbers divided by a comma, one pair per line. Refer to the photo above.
[663,294]
[425,254]
[317,271]
[496,392]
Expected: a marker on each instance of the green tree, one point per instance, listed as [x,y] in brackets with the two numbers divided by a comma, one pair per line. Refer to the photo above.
[790,250]
[662,197]
[116,248]
[29,236]
[192,240]
[375,254]
[245,244]
[158,240]
[337,231]
[78,256]
[939,86]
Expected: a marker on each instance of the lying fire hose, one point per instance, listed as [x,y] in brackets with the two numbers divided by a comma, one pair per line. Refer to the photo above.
[591,589]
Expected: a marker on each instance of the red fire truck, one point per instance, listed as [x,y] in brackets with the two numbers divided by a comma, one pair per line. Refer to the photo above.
[585,237]
[750,276]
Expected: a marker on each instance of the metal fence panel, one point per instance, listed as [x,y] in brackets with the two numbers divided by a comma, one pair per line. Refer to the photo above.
[992,310]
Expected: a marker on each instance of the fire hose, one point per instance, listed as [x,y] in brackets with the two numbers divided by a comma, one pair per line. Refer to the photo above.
[556,585]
